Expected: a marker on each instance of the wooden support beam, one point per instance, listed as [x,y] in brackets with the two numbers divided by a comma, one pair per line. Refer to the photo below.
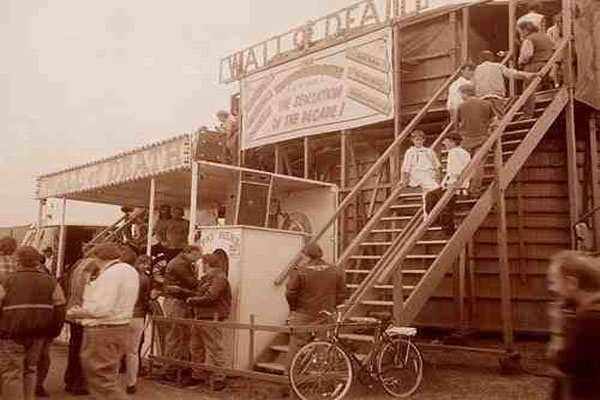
[454,39]
[194,202]
[595,178]
[464,43]
[306,163]
[507,323]
[62,239]
[151,205]
[277,160]
[397,54]
[520,227]
[398,298]
[343,184]
[512,29]
[472,284]
[572,175]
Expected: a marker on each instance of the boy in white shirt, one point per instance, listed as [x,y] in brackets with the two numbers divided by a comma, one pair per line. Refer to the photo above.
[457,161]
[420,167]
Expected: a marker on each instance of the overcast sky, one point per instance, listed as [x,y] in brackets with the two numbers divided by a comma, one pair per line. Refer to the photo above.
[86,79]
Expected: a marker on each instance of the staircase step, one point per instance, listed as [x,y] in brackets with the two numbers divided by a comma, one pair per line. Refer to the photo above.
[398,218]
[404,271]
[421,256]
[365,257]
[272,367]
[382,287]
[420,242]
[407,206]
[398,230]
[280,348]
[378,303]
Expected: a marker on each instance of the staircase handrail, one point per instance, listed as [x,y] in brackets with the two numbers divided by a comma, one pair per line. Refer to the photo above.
[475,161]
[380,161]
[114,228]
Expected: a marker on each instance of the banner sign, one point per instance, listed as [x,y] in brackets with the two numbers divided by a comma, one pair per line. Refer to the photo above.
[159,158]
[341,87]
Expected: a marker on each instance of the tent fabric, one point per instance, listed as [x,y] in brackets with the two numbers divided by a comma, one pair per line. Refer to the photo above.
[587,47]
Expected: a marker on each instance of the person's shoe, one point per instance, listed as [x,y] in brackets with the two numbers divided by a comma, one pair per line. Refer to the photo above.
[41,392]
[130,389]
[217,386]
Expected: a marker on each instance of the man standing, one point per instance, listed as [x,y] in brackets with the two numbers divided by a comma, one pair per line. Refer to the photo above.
[311,288]
[536,50]
[211,301]
[180,281]
[575,322]
[176,233]
[33,308]
[475,116]
[489,80]
[105,314]
[77,279]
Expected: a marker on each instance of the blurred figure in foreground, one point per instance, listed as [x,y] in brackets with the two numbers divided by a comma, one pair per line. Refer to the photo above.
[575,325]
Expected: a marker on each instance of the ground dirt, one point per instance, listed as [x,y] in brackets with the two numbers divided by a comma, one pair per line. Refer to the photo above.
[448,375]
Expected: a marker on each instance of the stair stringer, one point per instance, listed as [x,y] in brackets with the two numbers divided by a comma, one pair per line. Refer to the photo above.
[431,279]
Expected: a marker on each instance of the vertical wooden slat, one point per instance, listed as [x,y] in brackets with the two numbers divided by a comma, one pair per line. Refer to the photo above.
[454,39]
[595,178]
[343,185]
[151,206]
[520,227]
[238,200]
[397,54]
[507,323]
[472,283]
[251,334]
[306,157]
[194,202]
[269,195]
[464,44]
[398,297]
[277,161]
[512,20]
[462,266]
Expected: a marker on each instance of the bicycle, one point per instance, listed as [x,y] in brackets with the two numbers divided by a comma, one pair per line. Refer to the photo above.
[324,369]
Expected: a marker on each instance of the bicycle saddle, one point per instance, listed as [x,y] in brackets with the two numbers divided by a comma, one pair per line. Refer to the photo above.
[402,330]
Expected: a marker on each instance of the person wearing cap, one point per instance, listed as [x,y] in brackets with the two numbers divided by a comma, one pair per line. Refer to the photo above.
[32,306]
[105,314]
[420,166]
[8,264]
[212,302]
[457,160]
[311,288]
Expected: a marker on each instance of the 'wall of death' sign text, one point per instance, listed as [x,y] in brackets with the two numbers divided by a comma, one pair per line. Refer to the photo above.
[341,87]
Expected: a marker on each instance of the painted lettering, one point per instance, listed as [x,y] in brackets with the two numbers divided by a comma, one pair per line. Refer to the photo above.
[338,24]
[370,13]
[250,61]
[349,17]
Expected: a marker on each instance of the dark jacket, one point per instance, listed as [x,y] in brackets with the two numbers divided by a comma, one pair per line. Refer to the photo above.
[580,357]
[212,295]
[475,116]
[29,307]
[143,301]
[180,272]
[315,286]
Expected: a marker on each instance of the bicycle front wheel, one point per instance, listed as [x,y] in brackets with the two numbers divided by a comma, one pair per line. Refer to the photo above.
[321,370]
[400,367]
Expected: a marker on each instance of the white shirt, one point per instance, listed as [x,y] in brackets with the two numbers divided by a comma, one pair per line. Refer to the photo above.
[454,97]
[111,297]
[458,159]
[489,79]
[421,164]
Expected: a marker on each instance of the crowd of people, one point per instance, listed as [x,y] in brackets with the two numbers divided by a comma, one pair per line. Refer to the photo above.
[104,298]
[475,103]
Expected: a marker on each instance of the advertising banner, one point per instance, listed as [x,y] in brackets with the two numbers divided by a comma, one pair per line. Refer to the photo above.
[159,158]
[340,87]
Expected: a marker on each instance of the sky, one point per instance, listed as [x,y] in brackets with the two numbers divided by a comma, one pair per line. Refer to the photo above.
[85,79]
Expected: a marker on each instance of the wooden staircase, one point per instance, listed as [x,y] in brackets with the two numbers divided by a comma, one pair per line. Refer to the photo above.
[399,257]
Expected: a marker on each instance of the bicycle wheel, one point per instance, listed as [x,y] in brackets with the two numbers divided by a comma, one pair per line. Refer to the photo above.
[400,367]
[321,370]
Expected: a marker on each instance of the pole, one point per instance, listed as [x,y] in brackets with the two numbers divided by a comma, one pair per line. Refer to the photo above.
[42,204]
[512,22]
[151,217]
[394,166]
[62,235]
[194,202]
[595,177]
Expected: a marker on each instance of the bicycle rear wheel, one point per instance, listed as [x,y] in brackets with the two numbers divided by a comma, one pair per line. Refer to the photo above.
[321,370]
[400,367]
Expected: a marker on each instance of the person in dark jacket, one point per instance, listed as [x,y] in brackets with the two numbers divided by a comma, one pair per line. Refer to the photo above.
[180,281]
[212,302]
[32,308]
[311,288]
[575,324]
